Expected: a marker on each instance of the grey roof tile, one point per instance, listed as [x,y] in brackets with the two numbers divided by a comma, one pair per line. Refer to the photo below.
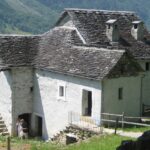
[92,26]
[62,50]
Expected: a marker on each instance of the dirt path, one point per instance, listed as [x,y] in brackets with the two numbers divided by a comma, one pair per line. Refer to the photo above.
[123,133]
[18,147]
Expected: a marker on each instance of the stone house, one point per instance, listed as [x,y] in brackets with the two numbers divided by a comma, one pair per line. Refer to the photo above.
[91,62]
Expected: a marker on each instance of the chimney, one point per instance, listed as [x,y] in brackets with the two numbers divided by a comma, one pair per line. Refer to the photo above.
[112,30]
[137,30]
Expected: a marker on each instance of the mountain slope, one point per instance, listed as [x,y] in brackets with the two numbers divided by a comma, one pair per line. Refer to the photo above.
[38,16]
[26,16]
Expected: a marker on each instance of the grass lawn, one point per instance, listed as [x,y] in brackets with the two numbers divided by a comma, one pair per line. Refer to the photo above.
[136,129]
[133,129]
[107,142]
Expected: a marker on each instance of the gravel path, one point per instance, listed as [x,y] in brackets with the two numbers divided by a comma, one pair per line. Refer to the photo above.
[123,133]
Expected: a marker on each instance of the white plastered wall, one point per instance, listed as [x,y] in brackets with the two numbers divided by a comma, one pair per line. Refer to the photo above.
[54,110]
[5,98]
[22,96]
[131,102]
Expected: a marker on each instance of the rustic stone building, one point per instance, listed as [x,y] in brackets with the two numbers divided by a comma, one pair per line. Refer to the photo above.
[92,61]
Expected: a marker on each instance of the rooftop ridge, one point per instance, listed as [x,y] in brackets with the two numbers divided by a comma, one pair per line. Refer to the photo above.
[99,11]
[100,49]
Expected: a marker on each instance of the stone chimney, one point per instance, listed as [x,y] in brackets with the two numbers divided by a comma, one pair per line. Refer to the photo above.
[112,30]
[137,30]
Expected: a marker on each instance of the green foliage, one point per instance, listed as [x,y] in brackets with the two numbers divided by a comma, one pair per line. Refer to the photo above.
[38,16]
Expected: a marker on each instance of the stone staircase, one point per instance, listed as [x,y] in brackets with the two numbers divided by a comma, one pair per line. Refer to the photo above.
[73,132]
[3,128]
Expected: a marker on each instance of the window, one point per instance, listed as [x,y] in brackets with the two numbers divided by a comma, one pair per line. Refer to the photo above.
[147,67]
[31,89]
[135,26]
[120,93]
[61,92]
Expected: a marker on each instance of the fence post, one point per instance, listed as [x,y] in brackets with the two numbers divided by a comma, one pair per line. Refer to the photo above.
[8,143]
[116,125]
[122,120]
[108,121]
[143,108]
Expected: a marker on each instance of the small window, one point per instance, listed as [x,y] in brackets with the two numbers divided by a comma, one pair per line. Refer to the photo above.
[31,89]
[147,67]
[135,26]
[120,93]
[61,91]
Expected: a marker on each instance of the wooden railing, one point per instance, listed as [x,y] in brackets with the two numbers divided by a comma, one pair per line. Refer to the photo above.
[108,118]
[111,120]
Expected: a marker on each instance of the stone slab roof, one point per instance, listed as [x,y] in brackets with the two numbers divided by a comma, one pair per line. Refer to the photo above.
[92,26]
[17,50]
[63,50]
[78,61]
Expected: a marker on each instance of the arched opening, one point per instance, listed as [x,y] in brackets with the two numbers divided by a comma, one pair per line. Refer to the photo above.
[27,119]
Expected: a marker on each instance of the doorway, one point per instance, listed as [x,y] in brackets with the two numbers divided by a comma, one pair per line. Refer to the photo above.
[86,103]
[27,119]
[39,126]
[89,103]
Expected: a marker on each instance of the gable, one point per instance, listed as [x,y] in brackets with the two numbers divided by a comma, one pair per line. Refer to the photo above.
[126,66]
[63,19]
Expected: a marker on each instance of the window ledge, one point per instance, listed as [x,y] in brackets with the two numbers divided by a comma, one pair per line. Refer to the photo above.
[61,99]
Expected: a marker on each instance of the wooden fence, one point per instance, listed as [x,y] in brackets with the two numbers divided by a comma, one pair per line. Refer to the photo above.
[122,119]
[111,120]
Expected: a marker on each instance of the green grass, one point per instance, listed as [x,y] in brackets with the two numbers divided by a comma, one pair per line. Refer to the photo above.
[133,129]
[136,129]
[107,142]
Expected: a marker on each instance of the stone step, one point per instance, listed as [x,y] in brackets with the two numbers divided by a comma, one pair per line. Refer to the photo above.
[3,129]
[1,122]
[87,119]
[4,133]
[2,125]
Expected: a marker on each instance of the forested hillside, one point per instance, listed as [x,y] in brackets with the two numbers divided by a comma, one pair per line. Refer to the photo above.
[38,16]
